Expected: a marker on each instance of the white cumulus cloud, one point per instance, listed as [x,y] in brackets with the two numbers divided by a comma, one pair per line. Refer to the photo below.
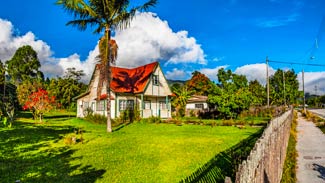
[10,43]
[177,74]
[314,82]
[255,72]
[211,73]
[149,39]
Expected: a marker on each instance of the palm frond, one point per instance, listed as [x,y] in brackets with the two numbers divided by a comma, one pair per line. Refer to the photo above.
[78,8]
[82,24]
[147,5]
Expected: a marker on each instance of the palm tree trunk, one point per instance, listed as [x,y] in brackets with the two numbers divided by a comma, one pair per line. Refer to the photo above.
[108,85]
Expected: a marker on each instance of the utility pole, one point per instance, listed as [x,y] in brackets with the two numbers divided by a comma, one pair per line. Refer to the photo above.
[303,89]
[267,82]
[284,89]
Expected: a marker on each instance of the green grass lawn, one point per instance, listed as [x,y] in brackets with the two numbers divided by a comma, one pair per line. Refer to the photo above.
[139,152]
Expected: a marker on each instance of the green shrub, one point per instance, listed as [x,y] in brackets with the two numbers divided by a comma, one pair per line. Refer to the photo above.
[130,115]
[154,119]
[96,118]
[289,168]
[70,139]
[229,122]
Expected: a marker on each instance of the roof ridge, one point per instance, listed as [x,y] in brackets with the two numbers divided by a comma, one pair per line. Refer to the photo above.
[134,67]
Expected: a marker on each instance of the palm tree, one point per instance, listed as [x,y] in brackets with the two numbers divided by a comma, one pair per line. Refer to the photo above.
[107,15]
[182,96]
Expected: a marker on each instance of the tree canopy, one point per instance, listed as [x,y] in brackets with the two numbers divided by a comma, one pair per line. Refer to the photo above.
[199,84]
[24,65]
[284,88]
[231,96]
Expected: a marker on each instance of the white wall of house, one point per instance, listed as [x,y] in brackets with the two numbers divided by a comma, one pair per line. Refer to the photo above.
[158,89]
[156,106]
[197,105]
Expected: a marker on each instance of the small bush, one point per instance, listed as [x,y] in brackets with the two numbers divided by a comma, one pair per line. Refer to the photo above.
[154,119]
[75,137]
[70,139]
[96,118]
[229,122]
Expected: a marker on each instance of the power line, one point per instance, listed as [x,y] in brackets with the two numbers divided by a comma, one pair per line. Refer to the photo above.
[297,63]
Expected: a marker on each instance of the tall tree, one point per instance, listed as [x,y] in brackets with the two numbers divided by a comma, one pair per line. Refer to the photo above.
[2,73]
[74,74]
[24,65]
[182,95]
[258,93]
[284,87]
[232,96]
[199,84]
[106,15]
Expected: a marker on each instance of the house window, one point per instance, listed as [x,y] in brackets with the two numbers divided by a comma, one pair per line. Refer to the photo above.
[147,104]
[100,105]
[162,105]
[85,105]
[155,79]
[126,105]
[199,106]
[93,106]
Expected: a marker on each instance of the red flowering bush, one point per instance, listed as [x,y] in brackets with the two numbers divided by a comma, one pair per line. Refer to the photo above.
[39,102]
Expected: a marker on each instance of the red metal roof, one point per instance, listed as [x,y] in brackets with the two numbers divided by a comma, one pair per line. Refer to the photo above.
[131,80]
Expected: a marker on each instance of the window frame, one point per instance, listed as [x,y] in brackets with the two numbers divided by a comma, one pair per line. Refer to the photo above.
[100,105]
[155,80]
[145,103]
[199,104]
[126,105]
[163,105]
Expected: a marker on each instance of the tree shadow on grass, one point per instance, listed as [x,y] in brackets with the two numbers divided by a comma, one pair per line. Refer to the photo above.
[27,155]
[225,163]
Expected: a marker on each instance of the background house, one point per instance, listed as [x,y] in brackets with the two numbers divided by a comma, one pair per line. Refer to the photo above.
[144,88]
[196,104]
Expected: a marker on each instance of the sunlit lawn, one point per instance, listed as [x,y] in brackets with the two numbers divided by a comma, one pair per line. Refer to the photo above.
[139,152]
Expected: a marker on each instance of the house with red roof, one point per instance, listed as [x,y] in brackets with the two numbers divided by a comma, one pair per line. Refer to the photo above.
[144,88]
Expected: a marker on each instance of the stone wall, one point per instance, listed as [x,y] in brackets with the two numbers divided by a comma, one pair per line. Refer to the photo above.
[265,162]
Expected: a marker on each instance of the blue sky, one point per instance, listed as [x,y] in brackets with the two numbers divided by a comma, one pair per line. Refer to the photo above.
[182,35]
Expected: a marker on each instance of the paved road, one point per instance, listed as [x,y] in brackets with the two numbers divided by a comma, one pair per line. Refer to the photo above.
[311,152]
[320,112]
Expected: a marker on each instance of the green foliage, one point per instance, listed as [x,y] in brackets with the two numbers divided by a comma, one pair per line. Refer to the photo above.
[26,58]
[284,88]
[2,73]
[74,138]
[258,93]
[289,168]
[9,102]
[66,88]
[96,118]
[154,119]
[130,115]
[232,96]
[179,102]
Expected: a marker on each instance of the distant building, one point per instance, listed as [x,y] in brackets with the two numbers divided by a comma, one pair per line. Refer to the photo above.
[197,102]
